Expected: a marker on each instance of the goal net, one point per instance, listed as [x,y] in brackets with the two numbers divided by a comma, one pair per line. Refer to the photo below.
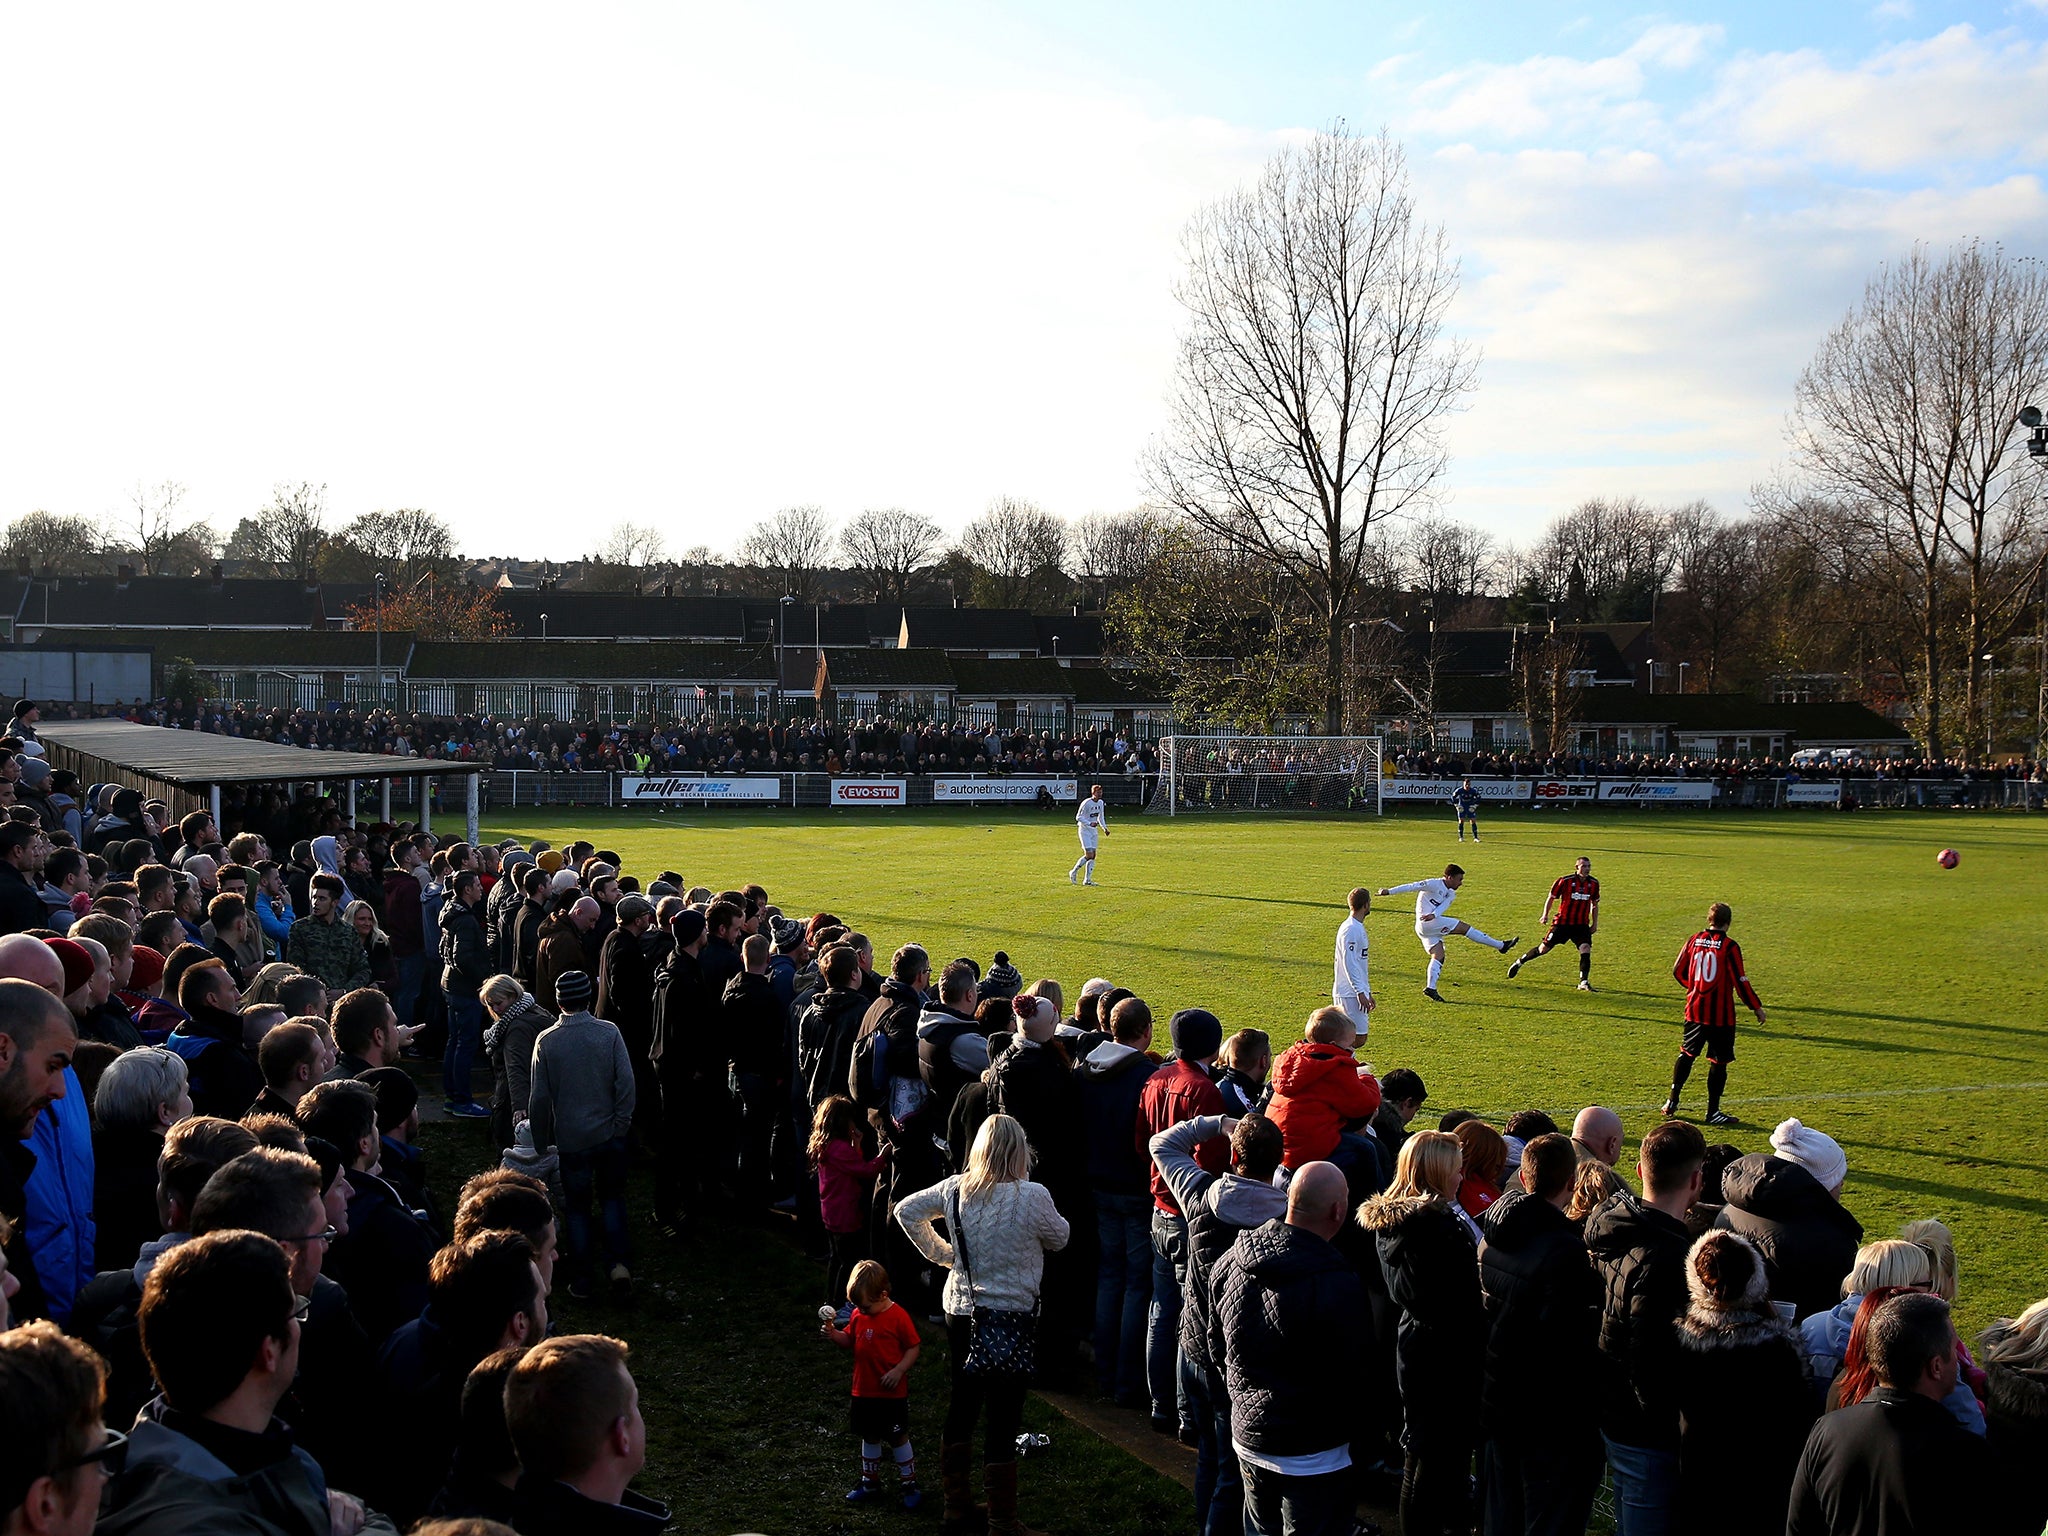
[1267,773]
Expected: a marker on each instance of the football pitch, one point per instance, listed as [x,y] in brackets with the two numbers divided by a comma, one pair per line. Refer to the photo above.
[1905,1001]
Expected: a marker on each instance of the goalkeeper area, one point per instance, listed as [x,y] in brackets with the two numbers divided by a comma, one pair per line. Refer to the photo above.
[1267,773]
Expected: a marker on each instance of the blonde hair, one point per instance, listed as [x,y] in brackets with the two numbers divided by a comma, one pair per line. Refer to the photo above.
[1330,1026]
[1000,1155]
[867,1281]
[348,915]
[500,992]
[1429,1167]
[1888,1262]
[2018,1343]
[1594,1186]
[1939,1244]
[1050,990]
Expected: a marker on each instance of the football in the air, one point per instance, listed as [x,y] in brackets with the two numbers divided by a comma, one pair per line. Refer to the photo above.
[1948,858]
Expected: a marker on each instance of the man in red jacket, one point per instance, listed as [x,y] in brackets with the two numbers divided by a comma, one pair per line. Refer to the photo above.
[1318,1089]
[1180,1090]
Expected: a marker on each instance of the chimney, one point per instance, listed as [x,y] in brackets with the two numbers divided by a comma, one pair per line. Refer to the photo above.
[956,599]
[1077,608]
[123,574]
[219,572]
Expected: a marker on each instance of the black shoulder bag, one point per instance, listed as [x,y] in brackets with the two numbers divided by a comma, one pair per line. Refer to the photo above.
[1002,1345]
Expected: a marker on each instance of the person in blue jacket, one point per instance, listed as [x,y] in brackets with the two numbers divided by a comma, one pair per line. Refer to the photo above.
[60,1230]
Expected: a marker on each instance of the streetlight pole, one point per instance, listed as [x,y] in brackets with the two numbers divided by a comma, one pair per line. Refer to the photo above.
[1990,684]
[781,640]
[377,586]
[1652,660]
[1681,675]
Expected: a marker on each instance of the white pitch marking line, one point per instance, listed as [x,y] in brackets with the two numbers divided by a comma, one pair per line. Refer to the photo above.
[1874,1093]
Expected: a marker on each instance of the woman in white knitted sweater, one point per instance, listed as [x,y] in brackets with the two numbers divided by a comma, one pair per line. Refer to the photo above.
[1008,1225]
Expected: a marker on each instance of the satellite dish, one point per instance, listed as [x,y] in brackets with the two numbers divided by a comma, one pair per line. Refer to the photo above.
[2030,416]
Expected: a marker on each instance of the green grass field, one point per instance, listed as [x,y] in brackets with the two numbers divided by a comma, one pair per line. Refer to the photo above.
[1905,1008]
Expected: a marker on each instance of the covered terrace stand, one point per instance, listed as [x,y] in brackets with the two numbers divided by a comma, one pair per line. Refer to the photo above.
[185,769]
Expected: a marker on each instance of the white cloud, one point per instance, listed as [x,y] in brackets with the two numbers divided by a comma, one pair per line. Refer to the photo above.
[1552,93]
[1942,102]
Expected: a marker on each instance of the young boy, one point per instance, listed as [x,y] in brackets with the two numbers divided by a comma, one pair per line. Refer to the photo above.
[1318,1089]
[885,1346]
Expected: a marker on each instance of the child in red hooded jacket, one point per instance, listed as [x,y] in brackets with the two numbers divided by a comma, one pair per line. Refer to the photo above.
[1318,1089]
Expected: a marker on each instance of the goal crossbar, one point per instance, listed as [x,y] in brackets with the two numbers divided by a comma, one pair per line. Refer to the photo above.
[1267,773]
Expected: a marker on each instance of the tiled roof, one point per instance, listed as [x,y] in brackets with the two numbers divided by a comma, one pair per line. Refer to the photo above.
[160,602]
[850,668]
[1113,687]
[1077,634]
[286,648]
[579,661]
[613,615]
[970,629]
[1005,678]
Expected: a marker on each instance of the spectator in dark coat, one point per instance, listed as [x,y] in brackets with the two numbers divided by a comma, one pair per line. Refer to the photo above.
[625,995]
[828,1027]
[1285,1314]
[1745,1404]
[754,1026]
[1219,1208]
[465,966]
[141,1095]
[1119,1174]
[1034,1083]
[1432,1272]
[522,945]
[20,907]
[685,1015]
[381,1260]
[516,1023]
[224,1078]
[1543,1327]
[1897,1461]
[1795,1218]
[2014,1354]
[1639,1247]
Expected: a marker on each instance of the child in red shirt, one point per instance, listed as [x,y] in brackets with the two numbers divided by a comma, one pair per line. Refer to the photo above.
[885,1346]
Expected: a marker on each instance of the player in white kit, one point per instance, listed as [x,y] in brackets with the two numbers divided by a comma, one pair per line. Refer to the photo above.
[1351,992]
[1432,897]
[1093,820]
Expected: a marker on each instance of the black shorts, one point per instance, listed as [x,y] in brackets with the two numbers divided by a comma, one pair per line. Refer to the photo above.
[1716,1042]
[879,1420]
[1570,933]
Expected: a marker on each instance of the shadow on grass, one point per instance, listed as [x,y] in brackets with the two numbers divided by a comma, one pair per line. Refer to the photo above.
[747,1408]
[1955,1194]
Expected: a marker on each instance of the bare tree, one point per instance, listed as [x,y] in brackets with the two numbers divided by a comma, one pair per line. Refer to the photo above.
[403,546]
[627,555]
[790,544]
[1448,559]
[1315,371]
[1612,558]
[1719,578]
[1019,551]
[56,543]
[1905,418]
[289,534]
[888,548]
[162,540]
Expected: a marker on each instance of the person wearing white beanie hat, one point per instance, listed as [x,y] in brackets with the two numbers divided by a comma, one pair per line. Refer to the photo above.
[1815,1151]
[1789,1204]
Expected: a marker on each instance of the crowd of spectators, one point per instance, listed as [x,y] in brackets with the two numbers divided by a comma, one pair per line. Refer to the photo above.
[1420,763]
[232,1305]
[708,744]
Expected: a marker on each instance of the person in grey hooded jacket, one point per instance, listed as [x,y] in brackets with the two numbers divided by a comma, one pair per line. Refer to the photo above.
[1219,1207]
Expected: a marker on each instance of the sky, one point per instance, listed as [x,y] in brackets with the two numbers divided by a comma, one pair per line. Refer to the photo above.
[544,269]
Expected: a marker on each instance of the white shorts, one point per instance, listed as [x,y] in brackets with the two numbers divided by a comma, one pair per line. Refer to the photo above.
[1087,842]
[1432,933]
[1346,1003]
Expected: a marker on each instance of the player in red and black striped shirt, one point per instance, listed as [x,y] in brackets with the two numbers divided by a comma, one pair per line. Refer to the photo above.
[1577,899]
[1710,969]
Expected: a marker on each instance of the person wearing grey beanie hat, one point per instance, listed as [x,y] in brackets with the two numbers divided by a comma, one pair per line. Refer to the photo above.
[581,1101]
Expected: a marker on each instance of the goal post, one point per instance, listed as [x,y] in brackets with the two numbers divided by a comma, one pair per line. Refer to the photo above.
[1266,773]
